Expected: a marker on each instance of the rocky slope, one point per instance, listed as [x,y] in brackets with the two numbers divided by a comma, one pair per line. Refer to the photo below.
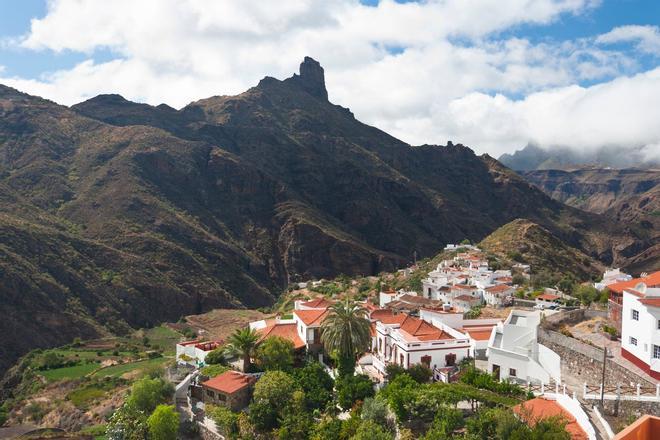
[120,214]
[628,196]
[524,241]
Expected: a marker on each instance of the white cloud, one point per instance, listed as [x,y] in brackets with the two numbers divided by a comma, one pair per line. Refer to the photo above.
[646,38]
[432,89]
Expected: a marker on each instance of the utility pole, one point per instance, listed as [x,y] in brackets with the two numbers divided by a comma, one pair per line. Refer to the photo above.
[602,380]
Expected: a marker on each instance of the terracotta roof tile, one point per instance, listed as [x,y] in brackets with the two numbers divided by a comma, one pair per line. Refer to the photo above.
[540,408]
[652,280]
[229,382]
[318,303]
[286,331]
[311,317]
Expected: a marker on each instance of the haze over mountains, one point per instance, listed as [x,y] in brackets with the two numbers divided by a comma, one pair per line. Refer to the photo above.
[533,157]
[118,214]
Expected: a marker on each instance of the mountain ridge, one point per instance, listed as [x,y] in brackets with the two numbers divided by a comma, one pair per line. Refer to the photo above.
[226,201]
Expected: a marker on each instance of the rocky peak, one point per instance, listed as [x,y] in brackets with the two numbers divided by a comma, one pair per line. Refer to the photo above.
[311,78]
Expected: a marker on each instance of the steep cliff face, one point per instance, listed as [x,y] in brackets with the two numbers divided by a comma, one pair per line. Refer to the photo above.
[123,214]
[626,196]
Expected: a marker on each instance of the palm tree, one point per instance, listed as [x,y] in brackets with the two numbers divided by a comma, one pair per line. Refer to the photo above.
[346,330]
[243,343]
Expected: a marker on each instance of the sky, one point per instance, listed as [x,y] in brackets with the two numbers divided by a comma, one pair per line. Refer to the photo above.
[492,74]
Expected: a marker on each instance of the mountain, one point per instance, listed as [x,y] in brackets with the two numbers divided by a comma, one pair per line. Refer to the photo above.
[629,196]
[533,157]
[524,241]
[119,214]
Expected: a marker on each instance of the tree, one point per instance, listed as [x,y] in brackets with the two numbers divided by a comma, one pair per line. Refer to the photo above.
[376,410]
[328,429]
[243,343]
[216,357]
[586,294]
[316,383]
[275,353]
[163,423]
[393,370]
[369,430]
[421,373]
[225,420]
[347,331]
[127,423]
[445,423]
[296,422]
[147,393]
[272,394]
[350,389]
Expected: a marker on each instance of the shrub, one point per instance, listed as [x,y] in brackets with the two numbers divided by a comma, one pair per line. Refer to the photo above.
[163,423]
[225,420]
[214,370]
[423,374]
[275,353]
[350,389]
[216,356]
[317,385]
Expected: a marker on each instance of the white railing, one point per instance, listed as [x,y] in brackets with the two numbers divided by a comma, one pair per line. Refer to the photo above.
[637,393]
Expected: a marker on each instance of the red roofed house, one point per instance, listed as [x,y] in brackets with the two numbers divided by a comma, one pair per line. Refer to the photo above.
[406,340]
[498,294]
[577,421]
[231,389]
[615,302]
[547,300]
[640,328]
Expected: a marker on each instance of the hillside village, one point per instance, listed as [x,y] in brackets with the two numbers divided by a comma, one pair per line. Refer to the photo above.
[433,330]
[485,339]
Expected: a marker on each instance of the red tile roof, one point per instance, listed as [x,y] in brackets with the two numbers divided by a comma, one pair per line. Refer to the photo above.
[311,317]
[318,303]
[548,297]
[540,408]
[229,382]
[478,335]
[499,288]
[387,316]
[652,280]
[286,331]
[422,330]
[653,302]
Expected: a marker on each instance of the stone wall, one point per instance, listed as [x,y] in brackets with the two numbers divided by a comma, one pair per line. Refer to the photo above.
[628,412]
[585,362]
[570,317]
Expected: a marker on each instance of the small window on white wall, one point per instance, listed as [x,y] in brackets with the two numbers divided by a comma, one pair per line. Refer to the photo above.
[635,315]
[656,351]
[633,341]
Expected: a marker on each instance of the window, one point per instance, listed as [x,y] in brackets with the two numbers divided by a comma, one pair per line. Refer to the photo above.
[222,397]
[633,341]
[656,351]
[635,315]
[210,393]
[512,372]
[658,324]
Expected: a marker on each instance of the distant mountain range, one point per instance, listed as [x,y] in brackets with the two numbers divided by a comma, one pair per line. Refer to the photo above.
[628,196]
[535,158]
[117,214]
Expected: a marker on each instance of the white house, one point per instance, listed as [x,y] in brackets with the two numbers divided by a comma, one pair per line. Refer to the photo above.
[498,295]
[612,276]
[546,300]
[406,340]
[640,328]
[514,352]
[194,352]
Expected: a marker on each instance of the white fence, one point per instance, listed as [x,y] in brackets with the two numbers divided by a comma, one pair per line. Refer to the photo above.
[639,393]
